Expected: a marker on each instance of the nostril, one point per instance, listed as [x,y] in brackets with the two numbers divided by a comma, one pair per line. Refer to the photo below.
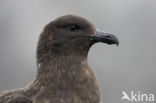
[108,36]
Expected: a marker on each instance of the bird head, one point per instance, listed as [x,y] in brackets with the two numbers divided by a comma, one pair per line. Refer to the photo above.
[71,34]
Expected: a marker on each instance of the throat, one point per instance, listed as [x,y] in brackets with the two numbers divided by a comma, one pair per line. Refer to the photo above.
[64,72]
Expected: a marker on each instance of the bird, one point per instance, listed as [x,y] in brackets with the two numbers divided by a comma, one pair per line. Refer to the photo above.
[63,72]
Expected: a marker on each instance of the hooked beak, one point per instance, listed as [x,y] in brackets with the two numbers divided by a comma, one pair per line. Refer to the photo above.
[104,37]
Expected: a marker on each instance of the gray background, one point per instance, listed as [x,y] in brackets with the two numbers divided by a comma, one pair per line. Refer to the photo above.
[129,67]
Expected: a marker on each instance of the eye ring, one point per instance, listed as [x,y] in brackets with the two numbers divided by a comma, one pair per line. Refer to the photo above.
[73,27]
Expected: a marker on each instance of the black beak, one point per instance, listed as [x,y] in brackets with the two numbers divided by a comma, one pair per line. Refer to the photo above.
[104,37]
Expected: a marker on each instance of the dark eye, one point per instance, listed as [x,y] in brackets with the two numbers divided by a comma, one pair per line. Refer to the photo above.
[73,27]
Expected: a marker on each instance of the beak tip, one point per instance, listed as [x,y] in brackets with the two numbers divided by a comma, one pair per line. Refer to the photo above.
[117,43]
[113,40]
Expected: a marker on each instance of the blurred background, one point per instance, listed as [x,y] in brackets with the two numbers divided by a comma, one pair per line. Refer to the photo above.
[129,67]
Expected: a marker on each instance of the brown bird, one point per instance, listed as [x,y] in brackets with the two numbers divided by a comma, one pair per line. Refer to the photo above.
[63,73]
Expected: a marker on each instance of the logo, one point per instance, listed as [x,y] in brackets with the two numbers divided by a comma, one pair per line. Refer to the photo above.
[137,97]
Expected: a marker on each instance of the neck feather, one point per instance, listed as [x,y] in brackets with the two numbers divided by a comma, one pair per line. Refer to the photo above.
[64,71]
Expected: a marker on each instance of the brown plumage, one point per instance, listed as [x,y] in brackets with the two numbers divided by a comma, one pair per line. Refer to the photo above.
[63,73]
